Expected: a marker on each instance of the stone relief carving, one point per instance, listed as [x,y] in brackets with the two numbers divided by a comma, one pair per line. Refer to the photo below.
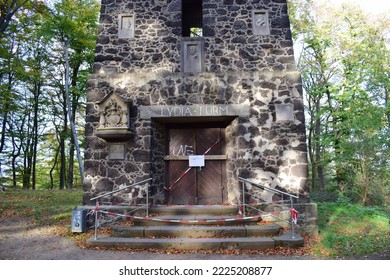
[260,22]
[192,56]
[126,26]
[113,115]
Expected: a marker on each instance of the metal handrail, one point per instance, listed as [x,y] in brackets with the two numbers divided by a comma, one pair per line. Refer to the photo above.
[244,205]
[267,188]
[121,189]
[96,210]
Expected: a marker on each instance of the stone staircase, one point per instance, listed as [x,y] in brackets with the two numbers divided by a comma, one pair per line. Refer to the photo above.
[193,227]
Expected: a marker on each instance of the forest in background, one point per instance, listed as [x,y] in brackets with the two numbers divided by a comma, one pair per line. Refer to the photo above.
[342,53]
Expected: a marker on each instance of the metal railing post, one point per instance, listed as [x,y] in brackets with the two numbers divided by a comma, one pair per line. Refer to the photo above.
[292,220]
[147,200]
[243,199]
[293,212]
[96,222]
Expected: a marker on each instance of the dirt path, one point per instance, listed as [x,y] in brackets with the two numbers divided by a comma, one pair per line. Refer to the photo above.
[21,240]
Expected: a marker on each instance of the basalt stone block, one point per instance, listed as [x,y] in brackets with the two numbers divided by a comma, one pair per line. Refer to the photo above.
[225,61]
[87,185]
[122,180]
[104,185]
[233,8]
[105,18]
[209,31]
[300,170]
[92,118]
[103,40]
[281,22]
[113,173]
[240,24]
[96,143]
[141,156]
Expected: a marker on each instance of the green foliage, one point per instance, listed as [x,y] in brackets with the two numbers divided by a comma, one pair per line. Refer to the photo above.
[44,207]
[32,105]
[352,230]
[345,69]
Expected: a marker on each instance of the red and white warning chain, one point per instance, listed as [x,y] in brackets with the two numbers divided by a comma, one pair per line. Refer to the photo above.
[192,221]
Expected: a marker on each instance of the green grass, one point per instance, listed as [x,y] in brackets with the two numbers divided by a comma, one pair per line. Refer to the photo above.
[45,207]
[352,230]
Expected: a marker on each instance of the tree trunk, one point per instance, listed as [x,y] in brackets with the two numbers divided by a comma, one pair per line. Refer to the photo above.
[71,165]
[15,154]
[62,161]
[7,11]
[35,137]
[318,132]
[53,167]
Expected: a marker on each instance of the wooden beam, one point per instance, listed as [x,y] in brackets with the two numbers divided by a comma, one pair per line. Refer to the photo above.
[207,157]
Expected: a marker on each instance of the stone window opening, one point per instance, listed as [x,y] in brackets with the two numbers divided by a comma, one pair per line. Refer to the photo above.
[192,18]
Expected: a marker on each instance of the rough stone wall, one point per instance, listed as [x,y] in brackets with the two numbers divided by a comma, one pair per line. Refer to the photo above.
[157,36]
[267,147]
[230,43]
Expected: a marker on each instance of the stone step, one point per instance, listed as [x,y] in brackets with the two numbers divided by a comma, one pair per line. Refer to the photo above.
[195,210]
[196,231]
[184,243]
[185,220]
[245,243]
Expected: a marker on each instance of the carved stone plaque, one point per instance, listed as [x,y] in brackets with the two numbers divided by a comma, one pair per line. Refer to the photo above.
[192,56]
[284,112]
[117,151]
[126,26]
[260,22]
[113,118]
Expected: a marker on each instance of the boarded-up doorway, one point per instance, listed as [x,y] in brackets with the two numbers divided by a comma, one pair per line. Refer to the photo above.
[205,185]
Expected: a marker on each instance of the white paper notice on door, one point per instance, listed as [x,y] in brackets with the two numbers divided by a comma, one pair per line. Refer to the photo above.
[196,161]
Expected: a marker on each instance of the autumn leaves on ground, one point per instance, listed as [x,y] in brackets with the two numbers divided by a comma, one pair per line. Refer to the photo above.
[346,230]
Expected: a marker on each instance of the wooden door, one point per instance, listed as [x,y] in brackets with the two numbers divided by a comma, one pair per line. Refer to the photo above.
[196,185]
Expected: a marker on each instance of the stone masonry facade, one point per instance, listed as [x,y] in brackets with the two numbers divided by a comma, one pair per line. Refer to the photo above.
[143,64]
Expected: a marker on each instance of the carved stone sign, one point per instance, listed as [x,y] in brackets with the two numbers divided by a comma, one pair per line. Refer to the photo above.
[147,112]
[117,151]
[126,26]
[260,22]
[113,113]
[192,56]
[113,118]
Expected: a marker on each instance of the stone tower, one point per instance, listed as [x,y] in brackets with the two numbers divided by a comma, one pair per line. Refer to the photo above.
[194,94]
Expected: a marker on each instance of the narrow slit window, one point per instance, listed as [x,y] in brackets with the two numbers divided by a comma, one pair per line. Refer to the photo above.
[192,18]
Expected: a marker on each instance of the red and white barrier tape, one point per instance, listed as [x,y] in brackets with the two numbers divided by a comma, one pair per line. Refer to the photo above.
[294,215]
[195,221]
[189,168]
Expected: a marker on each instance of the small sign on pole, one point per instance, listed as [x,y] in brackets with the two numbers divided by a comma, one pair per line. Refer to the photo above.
[196,161]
